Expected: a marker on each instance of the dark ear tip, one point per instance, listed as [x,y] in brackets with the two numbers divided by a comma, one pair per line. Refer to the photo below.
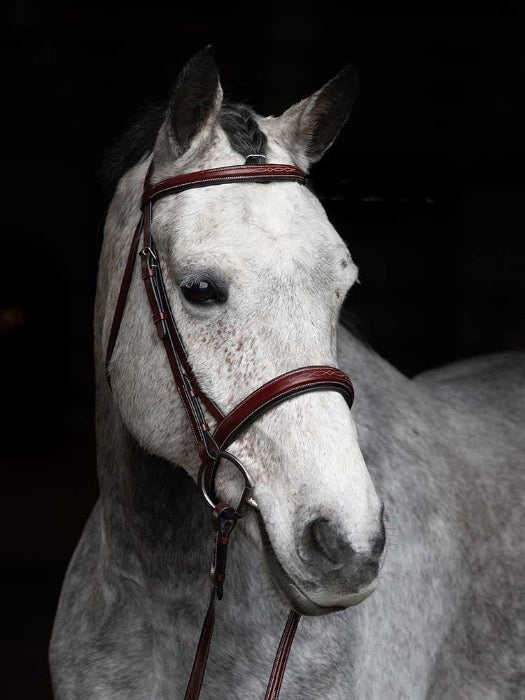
[195,98]
[205,58]
[201,63]
[207,50]
[349,77]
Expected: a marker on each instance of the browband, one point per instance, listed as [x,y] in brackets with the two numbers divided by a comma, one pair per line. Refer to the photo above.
[222,176]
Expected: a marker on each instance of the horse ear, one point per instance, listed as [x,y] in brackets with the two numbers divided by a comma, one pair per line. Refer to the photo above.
[309,127]
[195,101]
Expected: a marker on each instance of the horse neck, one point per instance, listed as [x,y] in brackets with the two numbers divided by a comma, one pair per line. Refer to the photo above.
[153,515]
[407,436]
[384,396]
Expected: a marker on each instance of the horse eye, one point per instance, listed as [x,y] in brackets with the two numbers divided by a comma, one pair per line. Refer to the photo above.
[201,291]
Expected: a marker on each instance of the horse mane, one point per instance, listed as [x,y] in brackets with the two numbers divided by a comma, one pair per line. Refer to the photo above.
[137,142]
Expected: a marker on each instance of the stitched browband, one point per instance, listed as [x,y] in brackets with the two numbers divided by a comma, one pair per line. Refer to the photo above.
[210,445]
[222,176]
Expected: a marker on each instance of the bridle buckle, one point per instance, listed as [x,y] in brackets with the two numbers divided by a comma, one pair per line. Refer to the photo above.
[148,252]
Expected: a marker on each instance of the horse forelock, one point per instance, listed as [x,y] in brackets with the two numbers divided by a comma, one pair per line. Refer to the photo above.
[243,132]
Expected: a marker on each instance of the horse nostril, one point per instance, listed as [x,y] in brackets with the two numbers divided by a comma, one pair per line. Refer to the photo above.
[328,541]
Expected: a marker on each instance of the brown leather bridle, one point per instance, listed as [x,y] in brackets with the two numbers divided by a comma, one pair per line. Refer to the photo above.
[212,446]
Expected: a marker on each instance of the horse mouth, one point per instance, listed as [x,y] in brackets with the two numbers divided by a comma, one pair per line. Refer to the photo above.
[289,590]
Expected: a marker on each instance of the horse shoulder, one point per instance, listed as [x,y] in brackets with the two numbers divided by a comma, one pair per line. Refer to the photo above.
[483,403]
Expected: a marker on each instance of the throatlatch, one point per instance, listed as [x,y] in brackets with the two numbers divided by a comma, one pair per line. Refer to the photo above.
[212,446]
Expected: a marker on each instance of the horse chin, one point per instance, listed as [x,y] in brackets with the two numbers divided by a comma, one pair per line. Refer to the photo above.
[294,596]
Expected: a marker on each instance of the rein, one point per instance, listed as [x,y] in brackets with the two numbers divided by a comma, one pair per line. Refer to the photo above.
[212,446]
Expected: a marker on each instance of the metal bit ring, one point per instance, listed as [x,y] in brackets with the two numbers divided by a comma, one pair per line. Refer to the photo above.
[247,498]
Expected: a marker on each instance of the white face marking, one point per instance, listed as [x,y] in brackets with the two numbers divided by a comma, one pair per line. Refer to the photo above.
[285,272]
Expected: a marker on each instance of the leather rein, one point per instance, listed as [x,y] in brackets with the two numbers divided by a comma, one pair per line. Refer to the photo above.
[212,445]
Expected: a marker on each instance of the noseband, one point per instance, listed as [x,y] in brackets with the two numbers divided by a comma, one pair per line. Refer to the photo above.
[211,445]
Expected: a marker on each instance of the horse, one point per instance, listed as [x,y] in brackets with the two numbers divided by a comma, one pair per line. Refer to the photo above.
[256,276]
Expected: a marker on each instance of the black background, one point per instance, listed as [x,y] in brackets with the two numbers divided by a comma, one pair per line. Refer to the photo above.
[426,185]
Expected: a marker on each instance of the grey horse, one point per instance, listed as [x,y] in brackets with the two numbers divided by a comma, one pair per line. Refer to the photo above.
[256,276]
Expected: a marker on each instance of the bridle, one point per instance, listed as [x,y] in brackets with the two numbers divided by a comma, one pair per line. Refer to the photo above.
[211,445]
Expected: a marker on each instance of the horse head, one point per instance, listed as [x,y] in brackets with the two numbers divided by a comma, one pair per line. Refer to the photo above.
[255,275]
